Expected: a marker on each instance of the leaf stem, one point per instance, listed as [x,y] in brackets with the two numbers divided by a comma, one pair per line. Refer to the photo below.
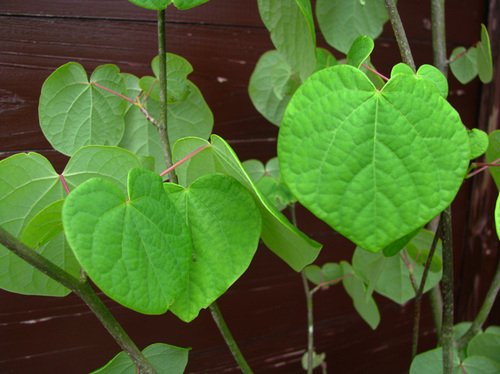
[420,292]
[483,167]
[64,183]
[184,159]
[368,67]
[485,310]
[400,34]
[411,273]
[85,292]
[229,339]
[162,123]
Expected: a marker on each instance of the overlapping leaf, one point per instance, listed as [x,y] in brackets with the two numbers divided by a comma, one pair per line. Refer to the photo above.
[224,225]
[74,112]
[484,58]
[280,236]
[360,51]
[493,155]
[463,64]
[374,165]
[479,143]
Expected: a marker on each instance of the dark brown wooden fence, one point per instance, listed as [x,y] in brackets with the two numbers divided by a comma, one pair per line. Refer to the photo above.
[266,307]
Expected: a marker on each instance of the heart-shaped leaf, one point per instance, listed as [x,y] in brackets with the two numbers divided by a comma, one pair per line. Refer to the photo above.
[478,141]
[165,358]
[433,75]
[480,365]
[360,50]
[225,226]
[485,344]
[136,248]
[74,112]
[374,165]
[463,64]
[341,22]
[431,362]
[279,235]
[151,4]
[329,272]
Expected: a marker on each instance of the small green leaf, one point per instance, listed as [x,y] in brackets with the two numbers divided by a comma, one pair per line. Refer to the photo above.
[291,17]
[363,303]
[279,235]
[484,59]
[151,4]
[275,191]
[431,362]
[341,22]
[324,59]
[225,226]
[273,168]
[74,112]
[360,51]
[318,359]
[165,358]
[493,155]
[395,247]
[314,274]
[464,64]
[460,329]
[44,226]
[178,69]
[401,68]
[478,141]
[485,344]
[327,273]
[360,149]
[435,77]
[188,4]
[254,168]
[480,365]
[135,248]
[272,85]
[493,330]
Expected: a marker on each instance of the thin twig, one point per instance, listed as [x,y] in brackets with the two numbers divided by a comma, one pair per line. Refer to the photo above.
[411,274]
[184,159]
[483,167]
[374,71]
[330,282]
[400,34]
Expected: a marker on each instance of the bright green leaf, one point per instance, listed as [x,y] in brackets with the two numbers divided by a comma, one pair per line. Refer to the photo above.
[435,77]
[401,68]
[324,59]
[341,22]
[396,246]
[151,4]
[485,344]
[478,141]
[480,365]
[431,362]
[363,303]
[188,4]
[360,150]
[279,235]
[291,17]
[225,226]
[74,112]
[493,155]
[165,358]
[463,64]
[135,248]
[360,51]
[272,85]
[484,59]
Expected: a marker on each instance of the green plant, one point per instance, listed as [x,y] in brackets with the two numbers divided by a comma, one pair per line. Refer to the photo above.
[162,216]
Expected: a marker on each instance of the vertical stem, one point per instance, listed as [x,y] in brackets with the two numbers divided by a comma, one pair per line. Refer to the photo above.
[400,34]
[85,292]
[439,35]
[309,306]
[229,339]
[162,123]
[436,301]
[448,303]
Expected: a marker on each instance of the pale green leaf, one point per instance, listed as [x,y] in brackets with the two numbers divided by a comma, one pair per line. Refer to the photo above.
[363,303]
[435,77]
[275,191]
[324,59]
[254,168]
[178,69]
[493,155]
[135,248]
[329,272]
[360,51]
[188,4]
[481,365]
[314,274]
[225,224]
[478,141]
[341,22]
[485,344]
[286,18]
[463,64]
[272,85]
[484,59]
[431,362]
[493,330]
[318,359]
[74,112]
[165,358]
[279,235]
[44,226]
[361,151]
[273,168]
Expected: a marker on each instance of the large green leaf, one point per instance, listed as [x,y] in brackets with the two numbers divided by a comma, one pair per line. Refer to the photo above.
[140,136]
[188,4]
[151,4]
[341,22]
[389,276]
[431,362]
[165,358]
[363,302]
[225,226]
[374,165]
[493,155]
[463,64]
[484,59]
[74,112]
[136,248]
[279,235]
[291,25]
[272,85]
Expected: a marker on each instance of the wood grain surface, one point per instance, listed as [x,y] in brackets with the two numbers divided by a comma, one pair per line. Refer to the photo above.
[223,40]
